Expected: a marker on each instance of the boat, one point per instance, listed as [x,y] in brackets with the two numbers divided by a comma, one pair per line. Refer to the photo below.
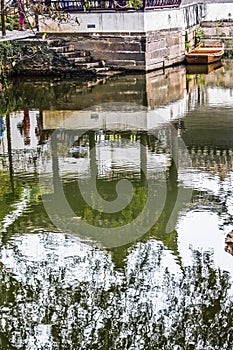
[205,54]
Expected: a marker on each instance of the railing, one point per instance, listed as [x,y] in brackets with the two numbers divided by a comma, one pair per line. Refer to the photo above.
[152,4]
[107,5]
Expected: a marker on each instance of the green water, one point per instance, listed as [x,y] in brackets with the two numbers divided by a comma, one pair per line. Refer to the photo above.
[115,201]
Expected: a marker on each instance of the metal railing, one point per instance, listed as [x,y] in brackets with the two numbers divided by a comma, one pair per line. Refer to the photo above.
[151,4]
[107,5]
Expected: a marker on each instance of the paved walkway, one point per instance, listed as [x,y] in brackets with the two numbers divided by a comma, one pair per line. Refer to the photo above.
[17,34]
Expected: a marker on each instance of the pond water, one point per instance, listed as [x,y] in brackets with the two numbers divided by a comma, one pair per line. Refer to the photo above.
[115,202]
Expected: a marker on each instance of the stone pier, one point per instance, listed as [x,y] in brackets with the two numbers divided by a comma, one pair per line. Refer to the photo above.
[135,40]
[132,40]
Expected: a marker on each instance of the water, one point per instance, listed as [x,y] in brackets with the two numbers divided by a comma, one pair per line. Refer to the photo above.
[115,201]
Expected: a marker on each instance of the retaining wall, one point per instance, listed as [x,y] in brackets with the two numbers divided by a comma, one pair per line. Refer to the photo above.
[219,32]
[130,40]
[143,41]
[137,51]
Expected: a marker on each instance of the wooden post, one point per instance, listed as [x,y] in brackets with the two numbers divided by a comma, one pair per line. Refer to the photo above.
[3,18]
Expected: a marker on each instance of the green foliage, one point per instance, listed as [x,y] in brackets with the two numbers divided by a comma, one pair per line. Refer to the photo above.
[8,101]
[9,52]
[128,214]
[229,54]
[86,5]
[135,4]
[218,24]
[201,80]
[6,51]
[11,22]
[187,45]
[14,57]
[3,76]
[200,36]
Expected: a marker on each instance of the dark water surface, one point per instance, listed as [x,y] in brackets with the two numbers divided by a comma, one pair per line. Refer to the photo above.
[115,201]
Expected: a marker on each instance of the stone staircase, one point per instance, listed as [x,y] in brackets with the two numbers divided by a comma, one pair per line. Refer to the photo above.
[79,60]
[56,56]
[218,33]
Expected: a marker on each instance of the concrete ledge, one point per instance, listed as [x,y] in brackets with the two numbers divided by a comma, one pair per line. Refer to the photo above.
[126,22]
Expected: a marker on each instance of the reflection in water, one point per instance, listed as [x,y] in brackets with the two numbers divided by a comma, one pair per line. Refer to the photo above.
[229,243]
[204,68]
[2,127]
[69,295]
[168,289]
[24,127]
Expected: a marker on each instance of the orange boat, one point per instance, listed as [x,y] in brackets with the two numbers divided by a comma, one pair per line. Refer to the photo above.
[205,54]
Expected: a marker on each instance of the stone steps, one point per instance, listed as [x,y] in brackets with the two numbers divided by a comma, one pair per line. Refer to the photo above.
[79,61]
[108,73]
[62,49]
[88,65]
[100,69]
[54,42]
[76,54]
[69,50]
[76,60]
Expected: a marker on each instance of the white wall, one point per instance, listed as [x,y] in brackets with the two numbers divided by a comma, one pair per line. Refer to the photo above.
[109,22]
[140,22]
[123,22]
[217,12]
[163,19]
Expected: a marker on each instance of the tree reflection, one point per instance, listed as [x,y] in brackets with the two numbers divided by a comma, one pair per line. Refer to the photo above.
[129,297]
[43,308]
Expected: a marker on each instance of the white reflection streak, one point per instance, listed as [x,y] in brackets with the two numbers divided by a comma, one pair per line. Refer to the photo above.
[199,231]
[9,219]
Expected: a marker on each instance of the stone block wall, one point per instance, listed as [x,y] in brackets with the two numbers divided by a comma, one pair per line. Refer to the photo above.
[131,51]
[120,51]
[164,48]
[165,88]
[219,32]
[134,40]
[190,37]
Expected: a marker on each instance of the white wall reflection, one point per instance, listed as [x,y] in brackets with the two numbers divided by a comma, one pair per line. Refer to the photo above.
[199,230]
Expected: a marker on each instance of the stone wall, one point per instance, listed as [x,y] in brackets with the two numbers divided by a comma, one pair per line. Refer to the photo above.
[140,41]
[126,51]
[165,87]
[134,51]
[164,48]
[219,32]
[134,40]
